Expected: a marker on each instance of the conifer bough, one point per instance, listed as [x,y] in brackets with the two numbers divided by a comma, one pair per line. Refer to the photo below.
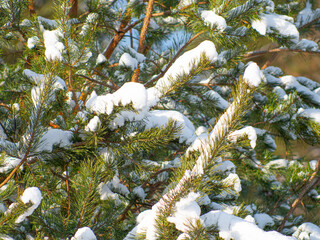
[145,120]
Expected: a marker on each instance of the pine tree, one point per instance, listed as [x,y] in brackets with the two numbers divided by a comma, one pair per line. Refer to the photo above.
[150,120]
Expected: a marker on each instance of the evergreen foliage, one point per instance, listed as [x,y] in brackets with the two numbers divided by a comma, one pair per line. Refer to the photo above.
[146,120]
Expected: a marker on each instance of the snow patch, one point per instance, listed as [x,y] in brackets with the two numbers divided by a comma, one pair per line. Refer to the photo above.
[53,46]
[30,195]
[55,137]
[232,227]
[158,118]
[186,211]
[274,23]
[127,60]
[252,75]
[84,233]
[263,220]
[213,20]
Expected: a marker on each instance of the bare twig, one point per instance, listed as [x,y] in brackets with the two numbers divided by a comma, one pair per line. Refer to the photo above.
[254,54]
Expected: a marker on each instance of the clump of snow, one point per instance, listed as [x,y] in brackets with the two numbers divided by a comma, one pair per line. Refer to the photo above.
[55,137]
[248,131]
[185,3]
[313,164]
[115,185]
[106,193]
[9,163]
[278,163]
[232,227]
[234,179]
[252,75]
[222,103]
[313,114]
[252,134]
[213,20]
[130,92]
[41,80]
[93,125]
[101,59]
[5,237]
[271,22]
[186,211]
[127,60]
[84,233]
[53,46]
[263,220]
[139,192]
[307,231]
[30,195]
[92,17]
[158,118]
[32,42]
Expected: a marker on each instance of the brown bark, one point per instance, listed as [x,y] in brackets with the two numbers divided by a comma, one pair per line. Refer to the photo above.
[31,7]
[74,8]
[117,38]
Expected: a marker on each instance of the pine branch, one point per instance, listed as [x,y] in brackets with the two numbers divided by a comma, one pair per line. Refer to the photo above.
[312,183]
[149,83]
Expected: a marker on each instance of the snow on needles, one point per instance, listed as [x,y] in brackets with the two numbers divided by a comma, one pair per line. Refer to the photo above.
[130,92]
[213,20]
[30,195]
[282,24]
[53,46]
[186,211]
[183,65]
[84,233]
[236,228]
[55,137]
[158,118]
[252,75]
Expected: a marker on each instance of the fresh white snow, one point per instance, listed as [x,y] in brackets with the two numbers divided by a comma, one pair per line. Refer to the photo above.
[213,20]
[159,118]
[30,195]
[55,137]
[313,114]
[127,60]
[84,233]
[186,211]
[232,227]
[282,24]
[252,75]
[263,220]
[53,46]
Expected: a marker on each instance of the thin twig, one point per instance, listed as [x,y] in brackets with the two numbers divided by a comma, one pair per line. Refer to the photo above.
[254,54]
[98,82]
